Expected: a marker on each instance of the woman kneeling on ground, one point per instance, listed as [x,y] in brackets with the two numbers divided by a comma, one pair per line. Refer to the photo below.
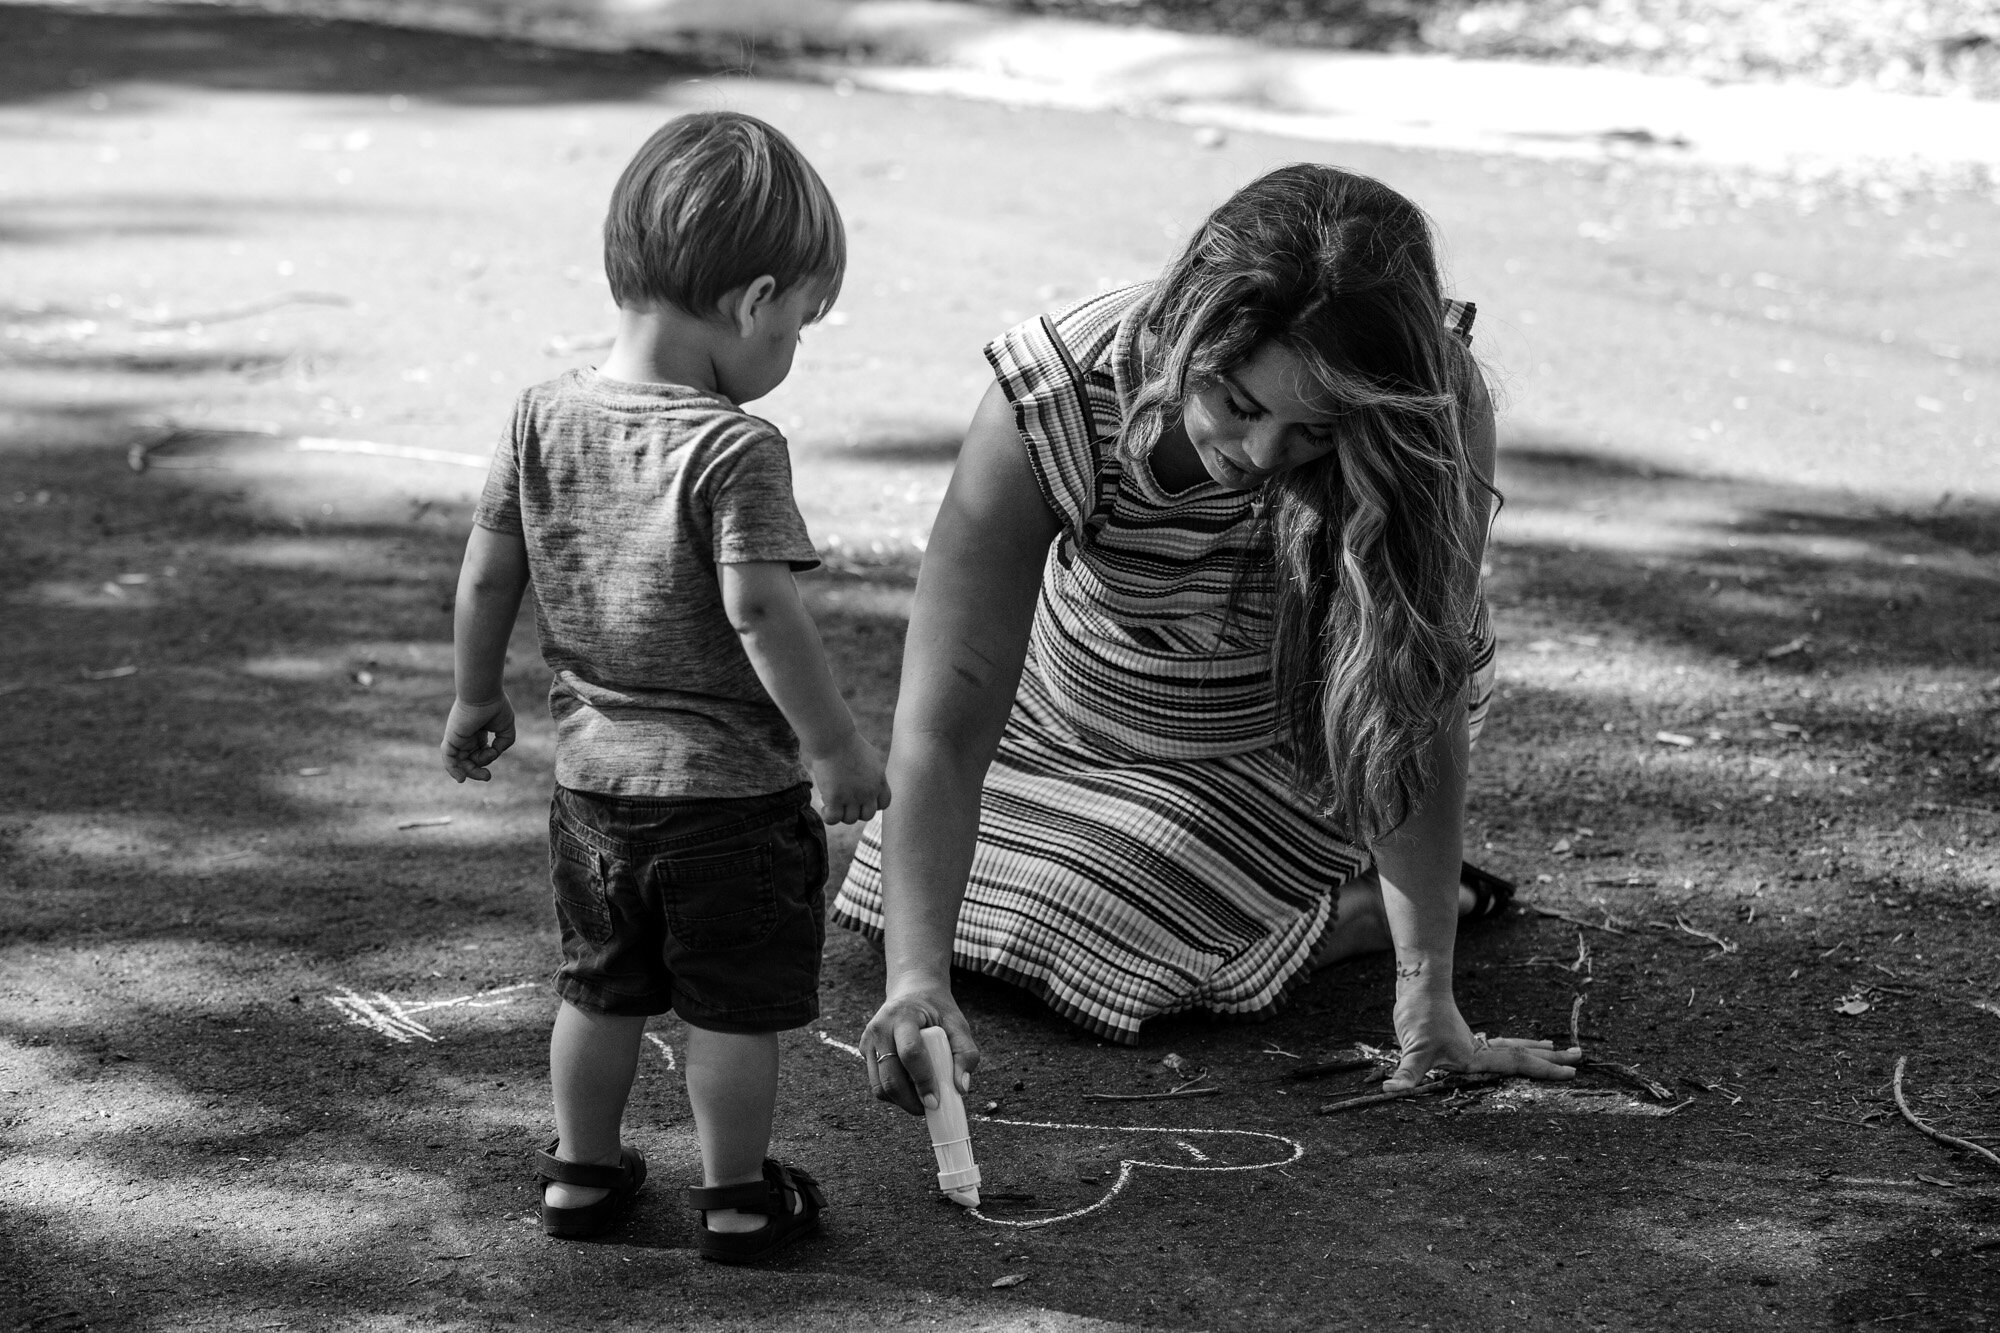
[1199,649]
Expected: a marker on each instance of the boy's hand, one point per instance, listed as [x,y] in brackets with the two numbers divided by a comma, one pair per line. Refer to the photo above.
[850,782]
[474,736]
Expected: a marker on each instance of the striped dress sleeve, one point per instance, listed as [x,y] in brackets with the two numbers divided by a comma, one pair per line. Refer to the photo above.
[1053,413]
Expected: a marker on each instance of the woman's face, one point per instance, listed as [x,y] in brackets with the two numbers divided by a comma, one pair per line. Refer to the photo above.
[1262,417]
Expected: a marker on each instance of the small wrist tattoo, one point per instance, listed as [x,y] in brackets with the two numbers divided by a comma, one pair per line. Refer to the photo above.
[1409,971]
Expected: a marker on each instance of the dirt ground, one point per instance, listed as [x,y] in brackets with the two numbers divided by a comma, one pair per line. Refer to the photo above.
[272,1038]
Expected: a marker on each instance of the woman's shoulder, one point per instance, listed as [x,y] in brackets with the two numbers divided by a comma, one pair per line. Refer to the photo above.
[1090,327]
[1072,340]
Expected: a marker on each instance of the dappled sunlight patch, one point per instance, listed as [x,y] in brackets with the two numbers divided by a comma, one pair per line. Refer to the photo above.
[133,841]
[308,553]
[1771,1246]
[293,667]
[251,1215]
[127,1097]
[88,595]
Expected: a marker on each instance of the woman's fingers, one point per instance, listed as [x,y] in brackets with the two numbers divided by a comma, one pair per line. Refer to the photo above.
[1410,1072]
[899,1068]
[1520,1056]
[886,1077]
[1534,1059]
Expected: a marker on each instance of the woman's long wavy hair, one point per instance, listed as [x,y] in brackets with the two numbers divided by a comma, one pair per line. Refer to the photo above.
[1374,550]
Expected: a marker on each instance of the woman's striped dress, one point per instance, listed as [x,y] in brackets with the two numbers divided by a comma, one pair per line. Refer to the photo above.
[1142,846]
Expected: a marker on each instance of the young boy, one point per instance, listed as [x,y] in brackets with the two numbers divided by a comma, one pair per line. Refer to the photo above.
[655,519]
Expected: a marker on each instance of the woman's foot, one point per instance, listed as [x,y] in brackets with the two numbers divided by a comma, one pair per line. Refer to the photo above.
[1360,926]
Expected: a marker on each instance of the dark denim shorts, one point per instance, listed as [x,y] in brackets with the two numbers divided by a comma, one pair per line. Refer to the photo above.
[715,909]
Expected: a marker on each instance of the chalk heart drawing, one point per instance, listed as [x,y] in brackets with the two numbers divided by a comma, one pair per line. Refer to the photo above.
[1054,1157]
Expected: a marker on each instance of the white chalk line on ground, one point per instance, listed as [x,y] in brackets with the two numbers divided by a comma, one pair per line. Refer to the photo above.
[665,1049]
[839,1045]
[396,1020]
[1128,1165]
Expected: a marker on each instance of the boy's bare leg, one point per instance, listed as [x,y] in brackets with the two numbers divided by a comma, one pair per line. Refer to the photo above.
[592,1058]
[732,1082]
[1359,925]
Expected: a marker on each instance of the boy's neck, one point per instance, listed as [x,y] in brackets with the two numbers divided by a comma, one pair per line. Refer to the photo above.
[664,344]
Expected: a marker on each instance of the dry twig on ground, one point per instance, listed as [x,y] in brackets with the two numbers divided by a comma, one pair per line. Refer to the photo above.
[1607,927]
[1902,1061]
[1455,1083]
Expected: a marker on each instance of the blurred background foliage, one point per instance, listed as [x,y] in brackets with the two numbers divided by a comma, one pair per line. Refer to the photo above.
[1944,47]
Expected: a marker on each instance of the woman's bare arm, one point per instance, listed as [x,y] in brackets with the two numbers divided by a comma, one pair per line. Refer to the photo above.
[962,659]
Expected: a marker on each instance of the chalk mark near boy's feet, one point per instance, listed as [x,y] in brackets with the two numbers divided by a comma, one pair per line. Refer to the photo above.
[1291,1149]
[665,1050]
[839,1045]
[394,1019]
[382,1015]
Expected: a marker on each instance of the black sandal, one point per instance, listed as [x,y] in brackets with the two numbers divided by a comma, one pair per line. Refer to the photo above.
[1491,895]
[772,1196]
[591,1219]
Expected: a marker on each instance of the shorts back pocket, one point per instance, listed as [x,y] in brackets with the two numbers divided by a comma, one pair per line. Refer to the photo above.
[581,877]
[727,900]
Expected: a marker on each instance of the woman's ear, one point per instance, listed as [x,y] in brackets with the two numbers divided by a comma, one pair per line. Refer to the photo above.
[746,303]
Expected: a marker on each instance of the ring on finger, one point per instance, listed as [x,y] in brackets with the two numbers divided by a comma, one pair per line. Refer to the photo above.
[880,1056]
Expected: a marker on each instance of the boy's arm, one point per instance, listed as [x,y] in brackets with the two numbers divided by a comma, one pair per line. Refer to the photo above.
[490,584]
[783,645]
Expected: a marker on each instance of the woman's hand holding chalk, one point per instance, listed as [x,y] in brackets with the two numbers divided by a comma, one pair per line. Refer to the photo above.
[951,1136]
[900,1070]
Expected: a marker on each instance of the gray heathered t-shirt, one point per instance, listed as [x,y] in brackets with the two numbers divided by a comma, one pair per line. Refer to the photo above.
[628,496]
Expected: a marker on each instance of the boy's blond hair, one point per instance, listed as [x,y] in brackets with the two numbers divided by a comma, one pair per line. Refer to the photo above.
[714,200]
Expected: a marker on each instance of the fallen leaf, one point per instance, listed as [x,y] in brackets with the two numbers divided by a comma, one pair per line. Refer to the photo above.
[313,772]
[115,673]
[1935,1180]
[1011,1280]
[1672,738]
[1786,649]
[1562,845]
[1173,1062]
[1852,1005]
[425,823]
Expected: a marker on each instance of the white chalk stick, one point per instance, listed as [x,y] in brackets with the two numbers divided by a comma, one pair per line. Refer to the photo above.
[951,1137]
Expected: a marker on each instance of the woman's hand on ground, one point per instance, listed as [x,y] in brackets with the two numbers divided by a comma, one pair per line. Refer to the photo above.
[898,1069]
[1434,1036]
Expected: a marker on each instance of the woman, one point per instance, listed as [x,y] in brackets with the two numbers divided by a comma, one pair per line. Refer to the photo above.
[1204,595]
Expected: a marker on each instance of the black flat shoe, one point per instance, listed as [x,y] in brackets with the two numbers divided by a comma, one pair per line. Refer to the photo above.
[1491,895]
